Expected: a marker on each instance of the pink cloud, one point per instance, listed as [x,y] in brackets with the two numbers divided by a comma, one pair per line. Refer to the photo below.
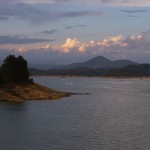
[133,47]
[22,49]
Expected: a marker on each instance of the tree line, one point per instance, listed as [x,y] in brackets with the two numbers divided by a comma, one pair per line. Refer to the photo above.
[142,70]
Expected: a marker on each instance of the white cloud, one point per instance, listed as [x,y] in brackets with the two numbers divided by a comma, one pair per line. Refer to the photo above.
[70,44]
[74,44]
[118,46]
[133,47]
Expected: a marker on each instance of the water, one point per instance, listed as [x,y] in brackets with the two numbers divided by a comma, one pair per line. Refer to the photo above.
[115,116]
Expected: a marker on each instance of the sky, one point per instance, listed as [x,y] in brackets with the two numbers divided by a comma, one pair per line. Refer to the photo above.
[67,31]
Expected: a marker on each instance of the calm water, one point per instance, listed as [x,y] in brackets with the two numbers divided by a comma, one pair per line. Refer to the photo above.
[115,116]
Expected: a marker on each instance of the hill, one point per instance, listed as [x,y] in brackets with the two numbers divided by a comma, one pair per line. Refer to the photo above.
[100,62]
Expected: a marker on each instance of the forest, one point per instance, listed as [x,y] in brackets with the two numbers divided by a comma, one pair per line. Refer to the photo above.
[142,70]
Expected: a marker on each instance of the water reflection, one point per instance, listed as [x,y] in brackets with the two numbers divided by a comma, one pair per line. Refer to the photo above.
[13,106]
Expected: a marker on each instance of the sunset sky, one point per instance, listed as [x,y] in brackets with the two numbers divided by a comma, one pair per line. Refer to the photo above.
[67,31]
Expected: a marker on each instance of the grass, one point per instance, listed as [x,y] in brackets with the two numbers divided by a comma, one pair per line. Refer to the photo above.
[31,91]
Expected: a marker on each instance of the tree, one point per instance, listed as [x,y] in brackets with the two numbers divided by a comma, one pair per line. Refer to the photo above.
[14,69]
[1,77]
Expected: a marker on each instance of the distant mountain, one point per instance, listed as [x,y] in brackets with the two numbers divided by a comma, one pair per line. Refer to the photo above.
[100,62]
[96,62]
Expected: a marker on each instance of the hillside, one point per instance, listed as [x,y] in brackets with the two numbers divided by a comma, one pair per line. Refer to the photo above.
[100,62]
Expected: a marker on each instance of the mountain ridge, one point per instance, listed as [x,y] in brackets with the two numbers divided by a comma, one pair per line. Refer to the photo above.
[100,62]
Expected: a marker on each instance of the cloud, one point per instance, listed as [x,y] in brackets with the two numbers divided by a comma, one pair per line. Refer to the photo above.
[140,42]
[3,17]
[134,11]
[37,11]
[136,48]
[106,1]
[79,14]
[70,44]
[74,44]
[131,47]
[123,3]
[75,26]
[50,31]
[68,27]
[82,25]
[47,47]
[131,16]
[23,11]
[34,12]
[127,3]
[60,1]
[22,49]
[26,1]
[20,40]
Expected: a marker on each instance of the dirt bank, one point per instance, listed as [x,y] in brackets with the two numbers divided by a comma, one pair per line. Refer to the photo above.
[30,91]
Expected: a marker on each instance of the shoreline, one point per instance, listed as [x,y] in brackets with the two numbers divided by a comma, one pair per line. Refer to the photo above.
[102,77]
[27,92]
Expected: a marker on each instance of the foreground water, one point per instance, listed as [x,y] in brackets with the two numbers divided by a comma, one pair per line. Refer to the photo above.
[115,116]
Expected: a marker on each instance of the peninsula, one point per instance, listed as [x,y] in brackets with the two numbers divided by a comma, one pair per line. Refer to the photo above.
[30,91]
[15,85]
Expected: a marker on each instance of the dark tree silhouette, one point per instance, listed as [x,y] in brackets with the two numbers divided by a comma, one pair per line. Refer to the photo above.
[14,69]
[1,77]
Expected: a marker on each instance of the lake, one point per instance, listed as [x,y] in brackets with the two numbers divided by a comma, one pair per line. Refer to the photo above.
[114,116]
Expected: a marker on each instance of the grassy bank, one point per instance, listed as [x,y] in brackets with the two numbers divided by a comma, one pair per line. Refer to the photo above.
[32,91]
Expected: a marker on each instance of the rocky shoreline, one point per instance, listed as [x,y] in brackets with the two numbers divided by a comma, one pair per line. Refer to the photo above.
[32,91]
